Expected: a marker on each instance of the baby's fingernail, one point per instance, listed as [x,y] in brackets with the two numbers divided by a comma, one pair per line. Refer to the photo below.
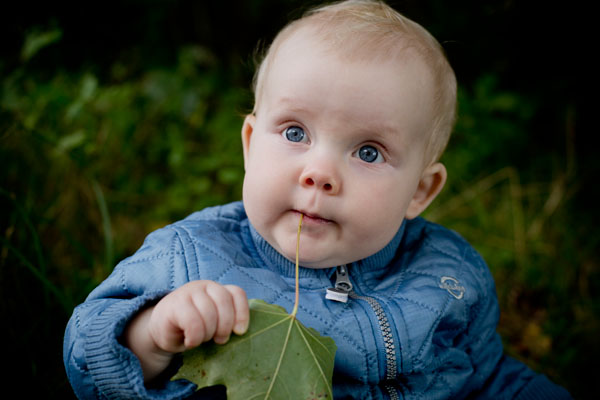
[241,327]
[221,339]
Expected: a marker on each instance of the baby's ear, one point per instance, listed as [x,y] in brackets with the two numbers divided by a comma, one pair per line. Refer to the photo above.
[431,183]
[247,130]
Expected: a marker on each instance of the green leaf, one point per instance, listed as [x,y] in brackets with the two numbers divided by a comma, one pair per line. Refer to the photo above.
[278,358]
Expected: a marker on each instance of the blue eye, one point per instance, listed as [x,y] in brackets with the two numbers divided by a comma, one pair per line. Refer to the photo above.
[295,134]
[369,154]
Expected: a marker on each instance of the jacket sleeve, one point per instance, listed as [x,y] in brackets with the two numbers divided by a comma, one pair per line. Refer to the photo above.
[97,364]
[462,356]
[496,375]
[505,378]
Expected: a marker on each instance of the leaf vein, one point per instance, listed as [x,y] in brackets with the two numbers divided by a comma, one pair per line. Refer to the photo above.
[316,362]
[275,374]
[315,338]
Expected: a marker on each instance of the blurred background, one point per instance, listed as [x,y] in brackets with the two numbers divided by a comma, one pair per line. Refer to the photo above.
[118,117]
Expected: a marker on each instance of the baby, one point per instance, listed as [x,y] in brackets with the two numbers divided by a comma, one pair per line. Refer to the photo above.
[354,105]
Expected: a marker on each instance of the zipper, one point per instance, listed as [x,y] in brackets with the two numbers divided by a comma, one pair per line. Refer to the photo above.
[341,292]
[343,286]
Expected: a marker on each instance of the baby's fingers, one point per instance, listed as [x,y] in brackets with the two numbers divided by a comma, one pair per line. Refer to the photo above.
[200,322]
[184,318]
[224,303]
[198,312]
[241,309]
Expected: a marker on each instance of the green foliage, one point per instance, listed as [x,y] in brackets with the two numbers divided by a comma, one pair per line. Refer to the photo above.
[90,165]
[36,41]
[105,153]
[278,358]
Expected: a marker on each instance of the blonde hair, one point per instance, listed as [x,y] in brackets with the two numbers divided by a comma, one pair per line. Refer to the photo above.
[371,28]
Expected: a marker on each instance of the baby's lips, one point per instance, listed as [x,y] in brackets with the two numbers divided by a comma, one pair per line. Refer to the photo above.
[314,216]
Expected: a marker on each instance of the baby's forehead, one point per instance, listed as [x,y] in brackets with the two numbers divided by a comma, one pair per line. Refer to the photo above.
[308,81]
[308,43]
[352,45]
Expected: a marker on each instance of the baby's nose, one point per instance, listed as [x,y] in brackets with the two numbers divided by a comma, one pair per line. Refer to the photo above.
[320,179]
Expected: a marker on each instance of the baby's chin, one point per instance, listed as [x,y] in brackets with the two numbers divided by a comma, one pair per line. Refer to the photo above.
[314,262]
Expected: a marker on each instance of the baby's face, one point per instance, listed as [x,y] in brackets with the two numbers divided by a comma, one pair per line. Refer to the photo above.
[341,142]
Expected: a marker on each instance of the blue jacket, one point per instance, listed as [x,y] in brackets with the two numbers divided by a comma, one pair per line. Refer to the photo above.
[420,321]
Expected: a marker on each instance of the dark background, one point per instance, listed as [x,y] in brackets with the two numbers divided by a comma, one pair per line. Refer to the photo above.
[118,117]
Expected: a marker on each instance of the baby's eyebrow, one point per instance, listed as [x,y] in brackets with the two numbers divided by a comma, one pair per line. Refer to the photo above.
[380,129]
[291,104]
[376,130]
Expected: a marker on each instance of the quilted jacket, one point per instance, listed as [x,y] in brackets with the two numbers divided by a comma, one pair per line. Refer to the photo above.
[419,323]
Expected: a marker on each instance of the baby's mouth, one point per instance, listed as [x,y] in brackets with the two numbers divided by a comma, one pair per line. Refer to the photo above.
[313,218]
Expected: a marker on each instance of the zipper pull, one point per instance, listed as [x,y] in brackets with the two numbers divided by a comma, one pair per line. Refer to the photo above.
[343,286]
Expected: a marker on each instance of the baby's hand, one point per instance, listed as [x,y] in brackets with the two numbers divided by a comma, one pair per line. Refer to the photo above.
[196,313]
[190,315]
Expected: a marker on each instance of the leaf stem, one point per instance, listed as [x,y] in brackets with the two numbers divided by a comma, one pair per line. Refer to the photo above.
[297,268]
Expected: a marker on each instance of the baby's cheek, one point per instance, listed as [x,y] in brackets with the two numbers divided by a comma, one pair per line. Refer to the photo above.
[378,224]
